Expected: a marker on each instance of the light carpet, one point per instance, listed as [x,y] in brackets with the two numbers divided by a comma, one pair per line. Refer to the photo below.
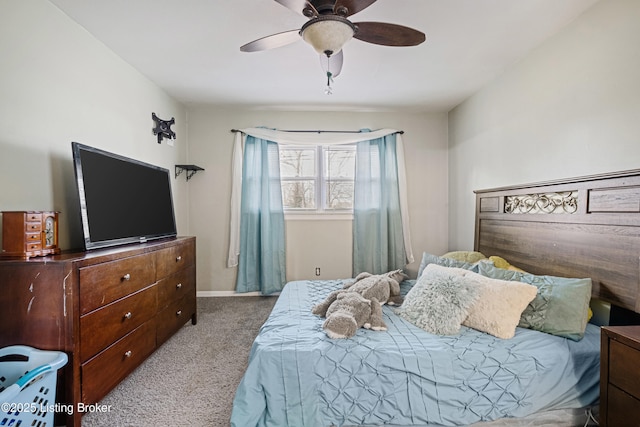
[192,378]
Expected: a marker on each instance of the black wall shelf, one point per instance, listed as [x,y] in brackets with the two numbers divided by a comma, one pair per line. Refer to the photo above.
[191,170]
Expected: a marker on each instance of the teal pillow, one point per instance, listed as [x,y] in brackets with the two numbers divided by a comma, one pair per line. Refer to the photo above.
[561,306]
[428,258]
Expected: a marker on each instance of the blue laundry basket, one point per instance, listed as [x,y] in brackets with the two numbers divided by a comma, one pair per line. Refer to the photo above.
[28,386]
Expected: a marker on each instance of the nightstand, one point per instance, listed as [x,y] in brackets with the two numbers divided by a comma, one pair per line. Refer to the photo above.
[620,376]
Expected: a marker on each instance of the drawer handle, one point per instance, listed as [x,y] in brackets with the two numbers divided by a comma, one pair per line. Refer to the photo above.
[126,277]
[128,353]
[128,315]
[178,258]
[179,313]
[179,285]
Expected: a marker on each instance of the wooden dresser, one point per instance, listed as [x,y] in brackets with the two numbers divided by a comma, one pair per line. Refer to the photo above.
[108,309]
[620,376]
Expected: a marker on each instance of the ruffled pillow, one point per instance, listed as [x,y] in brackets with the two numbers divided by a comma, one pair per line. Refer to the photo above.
[428,258]
[561,306]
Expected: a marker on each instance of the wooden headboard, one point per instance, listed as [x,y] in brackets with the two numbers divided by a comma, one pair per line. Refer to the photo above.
[578,227]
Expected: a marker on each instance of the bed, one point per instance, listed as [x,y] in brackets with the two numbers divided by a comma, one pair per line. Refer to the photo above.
[405,376]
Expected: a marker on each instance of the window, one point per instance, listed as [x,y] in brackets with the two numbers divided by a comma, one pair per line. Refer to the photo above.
[317,178]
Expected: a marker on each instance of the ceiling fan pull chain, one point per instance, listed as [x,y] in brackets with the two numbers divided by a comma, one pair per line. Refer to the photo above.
[329,89]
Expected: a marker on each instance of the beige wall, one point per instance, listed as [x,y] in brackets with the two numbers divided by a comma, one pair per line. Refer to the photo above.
[570,108]
[59,84]
[310,243]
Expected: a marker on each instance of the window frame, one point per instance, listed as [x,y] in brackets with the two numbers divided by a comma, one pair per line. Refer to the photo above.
[321,182]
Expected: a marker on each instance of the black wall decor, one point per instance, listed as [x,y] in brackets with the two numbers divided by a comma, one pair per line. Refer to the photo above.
[163,128]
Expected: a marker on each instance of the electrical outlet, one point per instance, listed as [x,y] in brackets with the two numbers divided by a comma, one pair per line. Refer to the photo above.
[317,271]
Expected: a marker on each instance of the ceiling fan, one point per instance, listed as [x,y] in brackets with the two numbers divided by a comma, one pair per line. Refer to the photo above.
[328,29]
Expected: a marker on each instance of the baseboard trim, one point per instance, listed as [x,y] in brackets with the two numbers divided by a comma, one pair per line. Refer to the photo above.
[205,294]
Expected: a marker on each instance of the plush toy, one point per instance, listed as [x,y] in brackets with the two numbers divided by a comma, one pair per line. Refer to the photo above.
[350,311]
[465,256]
[503,263]
[383,287]
[340,307]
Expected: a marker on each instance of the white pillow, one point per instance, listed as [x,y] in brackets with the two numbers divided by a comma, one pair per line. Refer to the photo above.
[499,306]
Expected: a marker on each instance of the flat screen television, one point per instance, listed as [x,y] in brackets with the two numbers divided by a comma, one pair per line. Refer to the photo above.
[122,200]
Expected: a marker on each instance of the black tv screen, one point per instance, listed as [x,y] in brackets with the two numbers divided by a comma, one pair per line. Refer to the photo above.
[122,200]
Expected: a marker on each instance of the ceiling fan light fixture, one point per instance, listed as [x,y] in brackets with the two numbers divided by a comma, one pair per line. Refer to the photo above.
[327,33]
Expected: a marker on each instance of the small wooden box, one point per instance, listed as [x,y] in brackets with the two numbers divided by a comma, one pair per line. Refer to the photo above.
[28,234]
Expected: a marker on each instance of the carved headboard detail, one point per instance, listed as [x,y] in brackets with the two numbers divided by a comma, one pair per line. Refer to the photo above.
[578,227]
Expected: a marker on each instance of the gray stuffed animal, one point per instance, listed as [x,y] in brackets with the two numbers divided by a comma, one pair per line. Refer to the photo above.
[384,287]
[350,311]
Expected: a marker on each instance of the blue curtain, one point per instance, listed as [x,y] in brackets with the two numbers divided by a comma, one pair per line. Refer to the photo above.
[378,243]
[261,264]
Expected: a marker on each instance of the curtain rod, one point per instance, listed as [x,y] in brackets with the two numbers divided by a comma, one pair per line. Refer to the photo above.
[401,132]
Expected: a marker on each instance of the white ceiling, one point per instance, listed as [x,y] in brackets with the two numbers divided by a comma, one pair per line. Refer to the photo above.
[190,48]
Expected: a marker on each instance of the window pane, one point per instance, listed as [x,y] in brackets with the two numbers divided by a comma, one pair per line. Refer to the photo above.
[340,195]
[297,162]
[317,178]
[340,163]
[298,194]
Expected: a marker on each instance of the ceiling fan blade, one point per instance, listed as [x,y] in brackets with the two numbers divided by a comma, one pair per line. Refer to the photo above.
[300,6]
[386,34]
[272,41]
[346,8]
[332,64]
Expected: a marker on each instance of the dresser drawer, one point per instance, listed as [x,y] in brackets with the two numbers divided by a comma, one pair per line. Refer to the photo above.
[174,316]
[624,410]
[104,283]
[173,259]
[102,327]
[176,286]
[107,369]
[623,365]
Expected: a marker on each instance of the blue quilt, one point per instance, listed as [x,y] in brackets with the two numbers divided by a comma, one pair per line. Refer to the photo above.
[297,376]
